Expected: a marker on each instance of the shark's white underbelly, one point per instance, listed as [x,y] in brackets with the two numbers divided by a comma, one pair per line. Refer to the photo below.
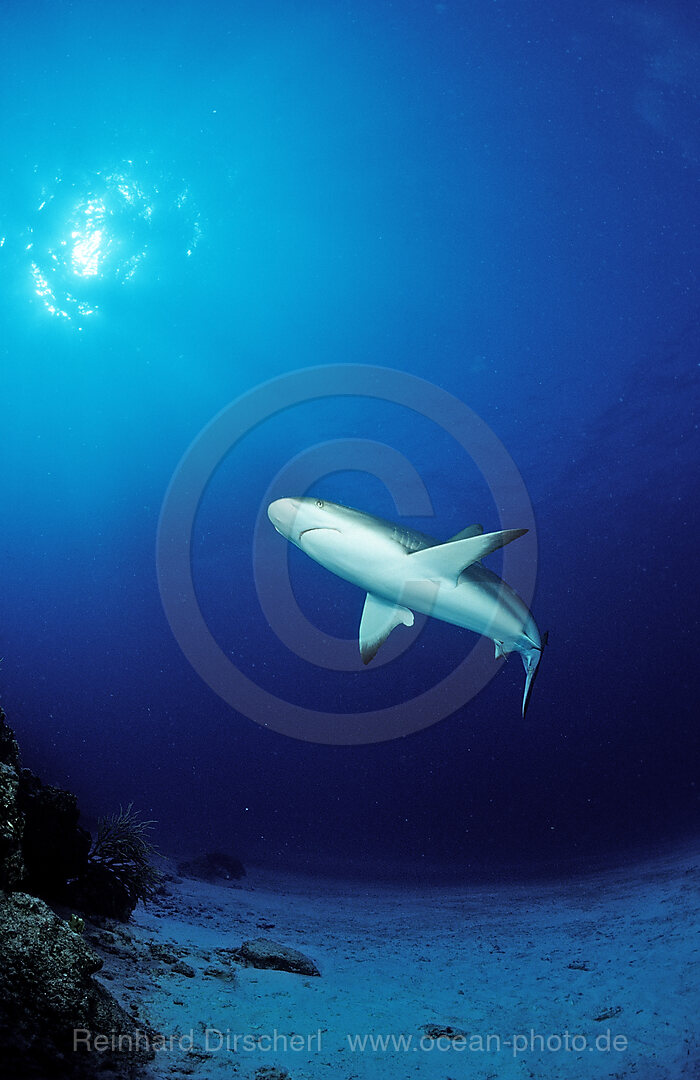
[481,601]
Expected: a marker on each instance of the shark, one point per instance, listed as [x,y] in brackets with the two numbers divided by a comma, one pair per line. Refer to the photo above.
[403,571]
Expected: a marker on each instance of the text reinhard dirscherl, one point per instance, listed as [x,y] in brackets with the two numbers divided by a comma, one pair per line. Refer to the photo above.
[215,1040]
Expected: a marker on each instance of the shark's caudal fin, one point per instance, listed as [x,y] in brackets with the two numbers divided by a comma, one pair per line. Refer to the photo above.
[531,662]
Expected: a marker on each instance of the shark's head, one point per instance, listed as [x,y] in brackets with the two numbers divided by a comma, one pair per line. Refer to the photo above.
[295,518]
[329,533]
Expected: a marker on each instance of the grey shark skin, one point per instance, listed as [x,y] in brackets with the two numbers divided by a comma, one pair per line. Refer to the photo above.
[404,571]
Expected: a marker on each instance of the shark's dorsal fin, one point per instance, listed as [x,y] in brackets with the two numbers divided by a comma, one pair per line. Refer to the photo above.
[378,620]
[465,534]
[447,561]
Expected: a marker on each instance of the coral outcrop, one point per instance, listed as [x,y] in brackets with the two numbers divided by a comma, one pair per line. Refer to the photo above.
[54,846]
[11,830]
[42,846]
[49,999]
[47,989]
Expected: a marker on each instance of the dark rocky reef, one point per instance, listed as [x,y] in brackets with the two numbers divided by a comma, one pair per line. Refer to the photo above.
[42,846]
[99,893]
[54,846]
[51,1008]
[45,852]
[47,989]
[11,829]
[9,748]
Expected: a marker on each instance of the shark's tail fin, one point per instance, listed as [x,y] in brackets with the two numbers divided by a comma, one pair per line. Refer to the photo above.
[531,661]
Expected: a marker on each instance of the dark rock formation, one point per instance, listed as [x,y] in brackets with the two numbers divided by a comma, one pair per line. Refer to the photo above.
[444,1031]
[261,953]
[11,817]
[11,830]
[54,846]
[182,968]
[9,750]
[213,866]
[99,892]
[41,844]
[166,954]
[47,993]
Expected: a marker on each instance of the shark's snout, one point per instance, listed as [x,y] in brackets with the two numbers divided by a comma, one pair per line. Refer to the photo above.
[282,513]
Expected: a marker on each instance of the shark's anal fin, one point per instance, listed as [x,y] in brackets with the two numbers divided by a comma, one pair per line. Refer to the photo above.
[378,620]
[447,561]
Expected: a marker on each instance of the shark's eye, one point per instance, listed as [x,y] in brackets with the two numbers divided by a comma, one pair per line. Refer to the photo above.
[319,504]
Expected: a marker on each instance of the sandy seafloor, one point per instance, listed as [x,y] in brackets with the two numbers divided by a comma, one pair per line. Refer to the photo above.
[502,960]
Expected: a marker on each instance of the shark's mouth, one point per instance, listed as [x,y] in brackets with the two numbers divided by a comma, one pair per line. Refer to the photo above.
[318,528]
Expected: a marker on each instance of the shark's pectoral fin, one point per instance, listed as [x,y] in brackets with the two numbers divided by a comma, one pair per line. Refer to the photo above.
[447,561]
[378,620]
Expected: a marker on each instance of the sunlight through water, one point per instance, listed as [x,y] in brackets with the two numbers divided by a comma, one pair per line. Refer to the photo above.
[93,235]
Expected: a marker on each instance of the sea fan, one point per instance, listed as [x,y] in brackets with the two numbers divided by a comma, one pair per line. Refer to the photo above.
[122,849]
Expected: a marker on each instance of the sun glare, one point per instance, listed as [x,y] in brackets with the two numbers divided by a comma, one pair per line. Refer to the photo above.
[88,237]
[84,242]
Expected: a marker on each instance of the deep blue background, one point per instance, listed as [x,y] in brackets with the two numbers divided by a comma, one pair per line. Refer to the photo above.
[500,197]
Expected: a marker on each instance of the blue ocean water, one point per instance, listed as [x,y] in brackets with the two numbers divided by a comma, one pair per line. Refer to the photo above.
[499,198]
